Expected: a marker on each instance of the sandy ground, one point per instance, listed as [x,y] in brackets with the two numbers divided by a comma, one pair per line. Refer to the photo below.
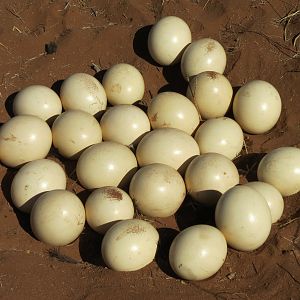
[103,33]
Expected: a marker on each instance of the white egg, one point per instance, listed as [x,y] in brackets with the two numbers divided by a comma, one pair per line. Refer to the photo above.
[123,84]
[211,93]
[281,168]
[107,205]
[172,110]
[168,146]
[243,216]
[73,131]
[37,100]
[220,135]
[198,252]
[106,164]
[23,139]
[57,218]
[33,179]
[125,124]
[203,55]
[157,190]
[167,40]
[257,106]
[272,196]
[82,91]
[210,175]
[129,245]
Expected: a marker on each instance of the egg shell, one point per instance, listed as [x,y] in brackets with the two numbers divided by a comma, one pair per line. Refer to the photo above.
[129,245]
[33,179]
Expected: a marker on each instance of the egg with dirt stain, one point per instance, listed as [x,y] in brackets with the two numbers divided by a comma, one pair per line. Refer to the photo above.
[157,190]
[211,93]
[198,252]
[106,206]
[210,175]
[129,245]
[23,139]
[167,40]
[57,218]
[173,110]
[73,131]
[82,91]
[203,55]
[38,100]
[33,179]
[123,84]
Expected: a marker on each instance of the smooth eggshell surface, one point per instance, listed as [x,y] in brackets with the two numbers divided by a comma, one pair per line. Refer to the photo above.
[198,252]
[168,146]
[106,164]
[211,93]
[281,168]
[172,110]
[220,135]
[34,178]
[272,196]
[82,91]
[203,55]
[257,106]
[125,124]
[243,216]
[167,40]
[123,84]
[107,205]
[23,139]
[57,218]
[210,175]
[37,100]
[129,245]
[73,131]
[157,190]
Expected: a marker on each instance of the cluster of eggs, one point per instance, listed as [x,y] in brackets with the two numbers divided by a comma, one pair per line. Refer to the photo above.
[176,157]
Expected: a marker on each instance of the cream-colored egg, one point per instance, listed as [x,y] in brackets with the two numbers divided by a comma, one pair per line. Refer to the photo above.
[37,100]
[243,216]
[123,84]
[257,106]
[107,205]
[172,110]
[210,175]
[73,131]
[82,91]
[129,245]
[23,139]
[272,196]
[167,40]
[169,146]
[198,252]
[125,124]
[106,164]
[157,190]
[281,168]
[203,55]
[220,135]
[33,179]
[211,92]
[57,218]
